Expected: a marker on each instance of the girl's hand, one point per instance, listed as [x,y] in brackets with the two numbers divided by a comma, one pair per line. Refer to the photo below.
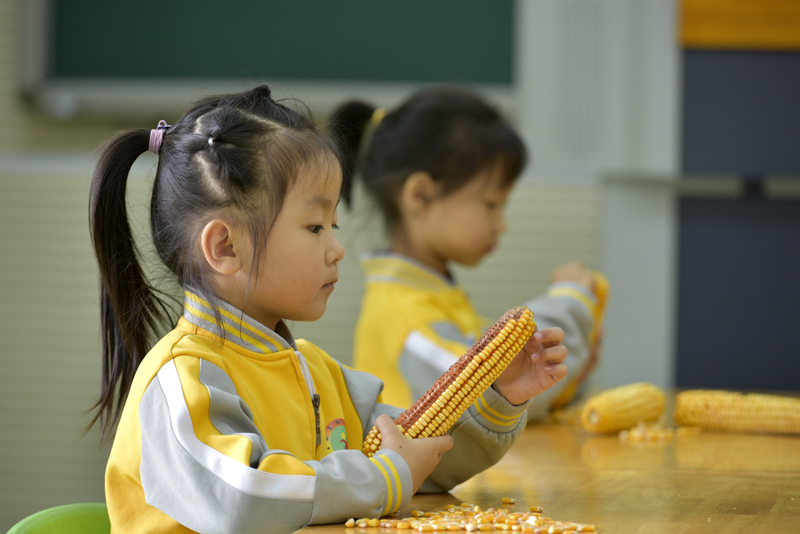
[536,368]
[421,454]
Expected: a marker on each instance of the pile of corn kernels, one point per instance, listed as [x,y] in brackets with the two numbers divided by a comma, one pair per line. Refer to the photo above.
[647,432]
[471,518]
[655,433]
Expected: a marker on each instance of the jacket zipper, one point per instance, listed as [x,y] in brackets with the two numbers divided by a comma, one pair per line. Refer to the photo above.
[315,399]
[315,402]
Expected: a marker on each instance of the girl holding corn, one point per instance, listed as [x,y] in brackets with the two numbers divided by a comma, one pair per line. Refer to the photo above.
[228,424]
[440,169]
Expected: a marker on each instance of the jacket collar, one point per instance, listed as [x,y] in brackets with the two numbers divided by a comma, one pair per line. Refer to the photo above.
[395,268]
[237,327]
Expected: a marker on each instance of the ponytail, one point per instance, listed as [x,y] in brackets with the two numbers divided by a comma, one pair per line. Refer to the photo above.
[130,310]
[347,125]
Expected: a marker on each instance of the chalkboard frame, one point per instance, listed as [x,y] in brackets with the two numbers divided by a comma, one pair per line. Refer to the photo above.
[117,96]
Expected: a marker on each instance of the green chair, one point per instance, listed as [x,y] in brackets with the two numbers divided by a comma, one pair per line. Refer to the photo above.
[81,518]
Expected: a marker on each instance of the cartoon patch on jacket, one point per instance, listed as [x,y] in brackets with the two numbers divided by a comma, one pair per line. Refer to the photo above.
[336,435]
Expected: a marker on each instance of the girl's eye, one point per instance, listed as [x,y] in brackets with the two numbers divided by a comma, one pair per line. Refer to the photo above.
[315,228]
[335,226]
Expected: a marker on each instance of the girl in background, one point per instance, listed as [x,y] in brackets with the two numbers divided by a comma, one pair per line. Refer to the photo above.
[440,168]
[227,424]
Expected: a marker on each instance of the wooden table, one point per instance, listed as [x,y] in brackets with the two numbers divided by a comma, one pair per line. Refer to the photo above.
[706,483]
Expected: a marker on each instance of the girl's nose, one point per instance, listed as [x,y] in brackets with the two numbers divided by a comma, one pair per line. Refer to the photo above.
[335,252]
[501,225]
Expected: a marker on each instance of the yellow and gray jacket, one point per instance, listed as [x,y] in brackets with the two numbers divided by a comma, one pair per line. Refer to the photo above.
[414,323]
[251,431]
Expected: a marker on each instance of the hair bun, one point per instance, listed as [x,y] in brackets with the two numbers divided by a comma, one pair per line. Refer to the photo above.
[263,91]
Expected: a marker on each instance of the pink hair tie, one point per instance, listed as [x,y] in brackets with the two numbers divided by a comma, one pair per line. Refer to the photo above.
[157,135]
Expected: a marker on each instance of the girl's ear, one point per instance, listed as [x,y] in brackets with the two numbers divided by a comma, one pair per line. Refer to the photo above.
[220,246]
[418,191]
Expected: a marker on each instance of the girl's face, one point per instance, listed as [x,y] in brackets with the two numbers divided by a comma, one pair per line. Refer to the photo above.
[465,225]
[299,266]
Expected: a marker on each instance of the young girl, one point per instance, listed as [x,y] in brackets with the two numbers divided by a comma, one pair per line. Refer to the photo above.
[229,424]
[440,168]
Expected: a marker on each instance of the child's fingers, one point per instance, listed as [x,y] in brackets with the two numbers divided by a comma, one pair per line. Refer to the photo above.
[439,444]
[387,428]
[558,371]
[553,355]
[391,435]
[445,442]
[392,438]
[549,336]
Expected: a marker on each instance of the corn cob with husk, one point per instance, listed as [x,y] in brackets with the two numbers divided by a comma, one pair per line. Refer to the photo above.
[601,289]
[737,412]
[623,407]
[450,396]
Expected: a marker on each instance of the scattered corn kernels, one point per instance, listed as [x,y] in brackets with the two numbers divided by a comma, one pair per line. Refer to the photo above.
[471,518]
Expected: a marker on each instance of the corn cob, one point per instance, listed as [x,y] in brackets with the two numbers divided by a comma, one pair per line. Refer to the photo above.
[601,289]
[737,412]
[441,406]
[623,407]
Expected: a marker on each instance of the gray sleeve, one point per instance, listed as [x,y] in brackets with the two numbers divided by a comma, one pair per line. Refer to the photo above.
[209,492]
[572,316]
[482,436]
[423,360]
[364,390]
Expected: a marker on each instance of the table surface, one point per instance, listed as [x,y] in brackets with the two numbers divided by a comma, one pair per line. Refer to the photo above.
[708,482]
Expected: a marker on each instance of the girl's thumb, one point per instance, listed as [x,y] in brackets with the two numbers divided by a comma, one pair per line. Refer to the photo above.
[386,426]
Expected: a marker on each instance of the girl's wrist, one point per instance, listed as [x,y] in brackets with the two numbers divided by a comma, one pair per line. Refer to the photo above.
[505,394]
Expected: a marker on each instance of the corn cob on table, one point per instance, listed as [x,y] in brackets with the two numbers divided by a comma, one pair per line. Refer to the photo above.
[703,482]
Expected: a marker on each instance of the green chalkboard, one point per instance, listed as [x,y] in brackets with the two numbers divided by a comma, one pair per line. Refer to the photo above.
[467,41]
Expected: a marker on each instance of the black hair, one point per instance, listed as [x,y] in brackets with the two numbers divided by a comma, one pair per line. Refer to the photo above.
[232,156]
[450,133]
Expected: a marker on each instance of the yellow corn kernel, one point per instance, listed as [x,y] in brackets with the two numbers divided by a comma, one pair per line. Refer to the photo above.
[623,407]
[737,412]
[350,523]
